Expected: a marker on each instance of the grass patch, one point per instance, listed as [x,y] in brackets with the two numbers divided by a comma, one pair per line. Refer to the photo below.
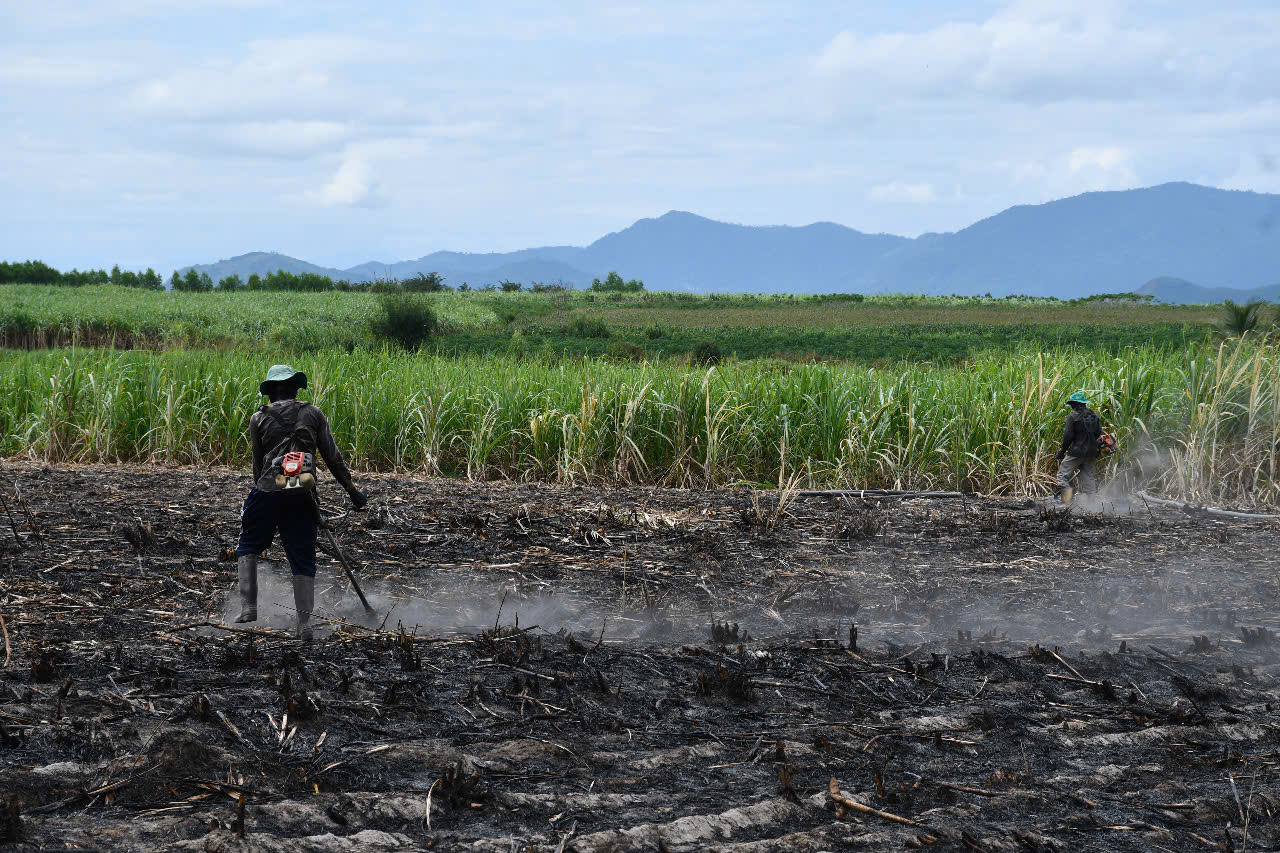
[877,329]
[42,316]
[407,319]
[588,327]
[707,352]
[939,342]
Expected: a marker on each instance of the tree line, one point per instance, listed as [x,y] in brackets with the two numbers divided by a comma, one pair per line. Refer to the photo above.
[431,282]
[38,272]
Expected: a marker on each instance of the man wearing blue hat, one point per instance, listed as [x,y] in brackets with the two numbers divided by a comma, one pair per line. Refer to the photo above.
[1081,444]
[285,435]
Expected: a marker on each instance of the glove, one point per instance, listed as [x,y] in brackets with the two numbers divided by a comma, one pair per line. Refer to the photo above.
[358,499]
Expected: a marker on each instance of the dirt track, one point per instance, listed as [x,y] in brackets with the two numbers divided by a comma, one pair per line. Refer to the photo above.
[612,710]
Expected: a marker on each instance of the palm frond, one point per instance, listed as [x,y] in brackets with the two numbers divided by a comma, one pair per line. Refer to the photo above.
[1238,320]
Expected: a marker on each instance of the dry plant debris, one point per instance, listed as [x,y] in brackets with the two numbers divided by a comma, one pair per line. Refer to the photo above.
[574,669]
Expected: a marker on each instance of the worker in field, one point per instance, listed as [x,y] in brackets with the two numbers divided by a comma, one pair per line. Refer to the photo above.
[1081,445]
[285,436]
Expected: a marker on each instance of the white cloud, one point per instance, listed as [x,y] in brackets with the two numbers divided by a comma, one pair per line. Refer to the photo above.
[351,186]
[934,62]
[1107,159]
[1102,167]
[62,72]
[1036,51]
[1029,171]
[286,137]
[149,198]
[297,77]
[1259,172]
[723,107]
[1066,172]
[901,192]
[1260,119]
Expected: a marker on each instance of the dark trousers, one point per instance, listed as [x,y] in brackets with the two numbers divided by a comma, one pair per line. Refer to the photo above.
[263,513]
[1081,466]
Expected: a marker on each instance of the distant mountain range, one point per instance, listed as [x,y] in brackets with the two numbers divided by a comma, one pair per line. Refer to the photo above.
[1180,291]
[1101,242]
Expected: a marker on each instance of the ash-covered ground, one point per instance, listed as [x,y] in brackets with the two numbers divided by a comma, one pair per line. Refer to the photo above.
[602,669]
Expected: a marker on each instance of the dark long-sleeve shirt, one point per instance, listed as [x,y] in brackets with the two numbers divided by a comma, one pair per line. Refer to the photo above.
[1080,437]
[267,433]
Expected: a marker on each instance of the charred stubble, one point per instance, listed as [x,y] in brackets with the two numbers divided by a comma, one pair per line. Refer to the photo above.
[967,674]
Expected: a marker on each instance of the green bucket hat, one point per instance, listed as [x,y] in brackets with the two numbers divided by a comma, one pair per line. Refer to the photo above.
[1077,397]
[282,373]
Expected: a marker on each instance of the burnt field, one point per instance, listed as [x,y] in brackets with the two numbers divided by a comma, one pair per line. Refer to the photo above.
[581,669]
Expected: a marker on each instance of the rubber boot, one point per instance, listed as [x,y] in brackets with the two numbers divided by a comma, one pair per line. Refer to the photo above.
[304,599]
[1067,494]
[248,571]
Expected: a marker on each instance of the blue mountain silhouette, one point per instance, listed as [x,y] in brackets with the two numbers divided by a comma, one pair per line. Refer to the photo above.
[1227,241]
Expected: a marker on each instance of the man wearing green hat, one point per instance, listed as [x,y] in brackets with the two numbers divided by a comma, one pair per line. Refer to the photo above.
[1080,447]
[286,424]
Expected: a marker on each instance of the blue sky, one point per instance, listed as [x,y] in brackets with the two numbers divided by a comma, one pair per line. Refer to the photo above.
[160,133]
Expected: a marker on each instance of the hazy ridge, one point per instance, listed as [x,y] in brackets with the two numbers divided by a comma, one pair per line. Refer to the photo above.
[1181,242]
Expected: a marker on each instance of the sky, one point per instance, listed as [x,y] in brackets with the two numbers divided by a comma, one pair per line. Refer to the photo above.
[156,133]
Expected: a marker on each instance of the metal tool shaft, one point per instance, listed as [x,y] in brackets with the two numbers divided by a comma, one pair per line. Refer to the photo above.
[338,552]
[346,566]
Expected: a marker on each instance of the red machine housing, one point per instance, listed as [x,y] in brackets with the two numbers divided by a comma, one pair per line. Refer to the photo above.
[292,464]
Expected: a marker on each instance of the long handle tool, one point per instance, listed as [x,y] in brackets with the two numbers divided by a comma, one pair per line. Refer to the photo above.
[342,557]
